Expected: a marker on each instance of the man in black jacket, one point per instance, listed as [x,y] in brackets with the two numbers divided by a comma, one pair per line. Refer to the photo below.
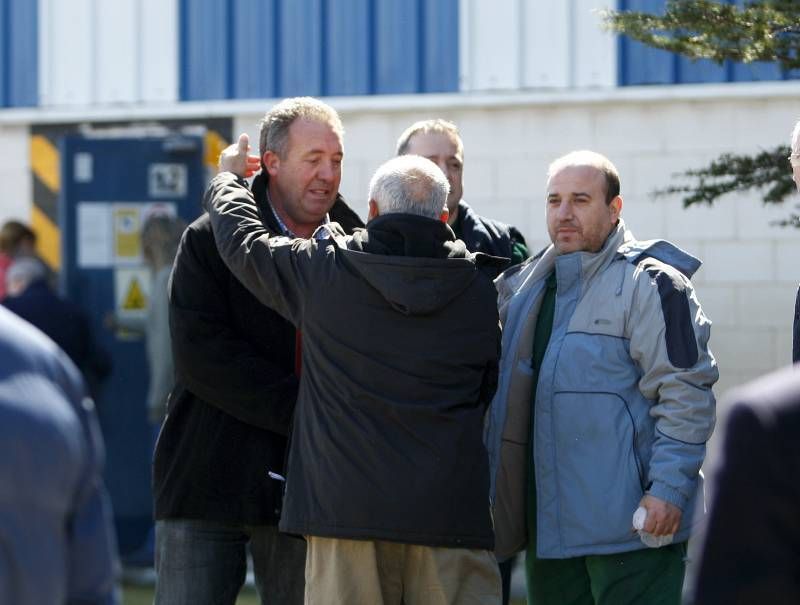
[224,436]
[440,142]
[387,472]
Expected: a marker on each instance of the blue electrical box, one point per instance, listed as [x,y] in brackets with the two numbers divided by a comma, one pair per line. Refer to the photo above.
[109,187]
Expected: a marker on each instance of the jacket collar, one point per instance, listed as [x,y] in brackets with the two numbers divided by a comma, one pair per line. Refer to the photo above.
[410,235]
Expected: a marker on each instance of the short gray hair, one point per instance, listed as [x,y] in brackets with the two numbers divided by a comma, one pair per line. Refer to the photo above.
[796,139]
[594,160]
[437,126]
[274,135]
[24,271]
[409,184]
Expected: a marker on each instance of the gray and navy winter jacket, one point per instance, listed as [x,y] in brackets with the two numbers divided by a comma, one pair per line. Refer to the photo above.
[623,405]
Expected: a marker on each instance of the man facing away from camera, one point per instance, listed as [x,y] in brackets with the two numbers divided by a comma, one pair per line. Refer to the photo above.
[388,478]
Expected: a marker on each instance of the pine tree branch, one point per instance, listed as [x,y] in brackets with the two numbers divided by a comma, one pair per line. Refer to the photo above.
[704,29]
[768,171]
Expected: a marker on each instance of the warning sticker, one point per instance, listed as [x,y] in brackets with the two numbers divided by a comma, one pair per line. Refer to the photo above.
[131,292]
[134,299]
[127,228]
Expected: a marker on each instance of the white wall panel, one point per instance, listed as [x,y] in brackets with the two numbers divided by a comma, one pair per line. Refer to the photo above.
[594,49]
[535,44]
[66,41]
[158,53]
[116,37]
[15,174]
[106,52]
[491,42]
[546,49]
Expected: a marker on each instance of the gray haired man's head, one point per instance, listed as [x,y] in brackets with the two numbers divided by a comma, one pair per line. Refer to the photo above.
[23,272]
[408,184]
[274,135]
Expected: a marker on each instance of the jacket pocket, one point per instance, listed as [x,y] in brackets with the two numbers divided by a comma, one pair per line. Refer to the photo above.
[599,474]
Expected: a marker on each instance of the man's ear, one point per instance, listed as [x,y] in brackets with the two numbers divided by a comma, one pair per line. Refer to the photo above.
[444,215]
[271,161]
[616,207]
[373,210]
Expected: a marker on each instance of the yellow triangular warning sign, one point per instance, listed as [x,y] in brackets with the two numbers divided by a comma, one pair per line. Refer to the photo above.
[135,299]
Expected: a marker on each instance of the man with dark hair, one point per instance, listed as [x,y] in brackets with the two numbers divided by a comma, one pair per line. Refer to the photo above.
[604,403]
[237,372]
[440,142]
[57,538]
[387,476]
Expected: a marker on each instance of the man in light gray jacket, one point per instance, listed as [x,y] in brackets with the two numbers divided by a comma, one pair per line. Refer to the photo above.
[604,401]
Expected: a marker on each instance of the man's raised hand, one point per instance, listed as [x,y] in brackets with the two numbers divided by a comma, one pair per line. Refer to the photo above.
[235,158]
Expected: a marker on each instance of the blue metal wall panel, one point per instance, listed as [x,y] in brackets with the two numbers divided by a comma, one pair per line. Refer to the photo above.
[19,53]
[254,51]
[754,71]
[301,43]
[642,65]
[397,46]
[274,48]
[690,72]
[347,56]
[205,49]
[440,46]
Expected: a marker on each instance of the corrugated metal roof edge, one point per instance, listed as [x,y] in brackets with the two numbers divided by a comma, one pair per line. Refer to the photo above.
[399,103]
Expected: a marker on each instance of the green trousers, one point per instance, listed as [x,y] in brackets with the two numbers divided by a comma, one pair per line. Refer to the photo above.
[652,576]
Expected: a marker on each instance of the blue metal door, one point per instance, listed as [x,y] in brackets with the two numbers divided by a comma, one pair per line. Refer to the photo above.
[109,187]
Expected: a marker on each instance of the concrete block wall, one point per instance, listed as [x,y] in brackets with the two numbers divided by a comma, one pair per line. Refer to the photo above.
[751,268]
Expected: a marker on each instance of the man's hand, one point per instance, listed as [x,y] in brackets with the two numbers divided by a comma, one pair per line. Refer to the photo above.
[663,518]
[234,158]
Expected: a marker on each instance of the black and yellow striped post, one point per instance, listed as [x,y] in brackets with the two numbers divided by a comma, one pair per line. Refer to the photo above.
[46,173]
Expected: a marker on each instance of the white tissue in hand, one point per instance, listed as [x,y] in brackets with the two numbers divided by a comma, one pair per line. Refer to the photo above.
[648,539]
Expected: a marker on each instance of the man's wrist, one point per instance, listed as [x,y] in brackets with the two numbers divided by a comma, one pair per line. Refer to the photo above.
[668,494]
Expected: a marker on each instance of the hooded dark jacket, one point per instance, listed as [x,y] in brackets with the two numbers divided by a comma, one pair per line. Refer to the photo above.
[229,413]
[400,353]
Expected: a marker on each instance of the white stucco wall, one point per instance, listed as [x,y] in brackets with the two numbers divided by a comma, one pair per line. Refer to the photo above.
[16,197]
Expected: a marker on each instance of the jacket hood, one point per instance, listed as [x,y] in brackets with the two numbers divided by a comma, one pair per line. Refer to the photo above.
[661,250]
[415,263]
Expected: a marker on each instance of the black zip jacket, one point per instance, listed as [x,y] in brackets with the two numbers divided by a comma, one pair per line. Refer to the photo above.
[229,413]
